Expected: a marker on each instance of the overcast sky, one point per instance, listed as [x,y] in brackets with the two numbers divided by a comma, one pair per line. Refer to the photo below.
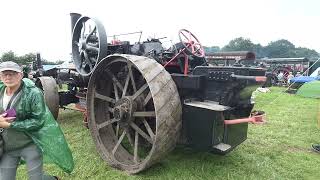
[44,26]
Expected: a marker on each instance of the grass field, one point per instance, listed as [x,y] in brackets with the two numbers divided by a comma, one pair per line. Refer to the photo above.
[279,149]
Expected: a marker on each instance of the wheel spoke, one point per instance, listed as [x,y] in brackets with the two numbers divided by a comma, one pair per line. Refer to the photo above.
[148,128]
[90,34]
[143,134]
[103,97]
[119,142]
[144,87]
[92,48]
[93,44]
[132,79]
[192,49]
[146,100]
[128,136]
[201,51]
[144,114]
[87,60]
[93,59]
[116,91]
[126,86]
[114,79]
[190,37]
[106,123]
[83,30]
[193,39]
[81,58]
[135,151]
[86,57]
[198,46]
[184,35]
[83,64]
[198,50]
[117,129]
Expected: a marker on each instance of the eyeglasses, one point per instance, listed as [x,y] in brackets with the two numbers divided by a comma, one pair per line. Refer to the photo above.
[10,74]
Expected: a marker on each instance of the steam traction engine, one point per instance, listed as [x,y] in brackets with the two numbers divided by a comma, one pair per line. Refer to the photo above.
[143,99]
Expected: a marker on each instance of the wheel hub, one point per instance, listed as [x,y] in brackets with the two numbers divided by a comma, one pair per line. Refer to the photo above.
[123,111]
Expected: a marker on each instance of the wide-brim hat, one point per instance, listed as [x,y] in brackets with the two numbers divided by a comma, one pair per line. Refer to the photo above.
[10,66]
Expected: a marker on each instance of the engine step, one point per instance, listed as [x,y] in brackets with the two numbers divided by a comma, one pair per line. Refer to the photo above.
[222,147]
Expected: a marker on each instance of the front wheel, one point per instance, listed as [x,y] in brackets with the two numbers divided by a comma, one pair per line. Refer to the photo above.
[134,111]
[51,96]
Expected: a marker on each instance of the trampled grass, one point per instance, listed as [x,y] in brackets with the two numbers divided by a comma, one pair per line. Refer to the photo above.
[279,149]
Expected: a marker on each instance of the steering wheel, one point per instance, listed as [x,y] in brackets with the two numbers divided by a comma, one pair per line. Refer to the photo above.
[191,43]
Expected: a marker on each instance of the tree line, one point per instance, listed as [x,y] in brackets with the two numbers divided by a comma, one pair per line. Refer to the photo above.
[26,59]
[275,49]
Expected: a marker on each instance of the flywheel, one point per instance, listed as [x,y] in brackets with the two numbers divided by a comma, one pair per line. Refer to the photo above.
[89,44]
[134,111]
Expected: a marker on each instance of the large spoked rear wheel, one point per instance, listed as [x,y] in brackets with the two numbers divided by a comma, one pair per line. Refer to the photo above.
[134,111]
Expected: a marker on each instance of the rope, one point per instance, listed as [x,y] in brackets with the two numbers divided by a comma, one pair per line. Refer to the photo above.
[319,117]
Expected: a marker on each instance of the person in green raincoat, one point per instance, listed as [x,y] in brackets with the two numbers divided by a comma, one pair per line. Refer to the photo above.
[29,131]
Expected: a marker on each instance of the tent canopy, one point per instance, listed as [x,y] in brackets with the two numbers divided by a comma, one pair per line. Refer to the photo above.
[310,89]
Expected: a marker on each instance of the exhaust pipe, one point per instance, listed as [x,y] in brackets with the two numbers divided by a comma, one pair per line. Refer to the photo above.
[38,65]
[74,19]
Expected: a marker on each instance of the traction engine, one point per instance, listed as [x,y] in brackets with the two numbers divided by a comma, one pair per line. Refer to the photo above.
[142,99]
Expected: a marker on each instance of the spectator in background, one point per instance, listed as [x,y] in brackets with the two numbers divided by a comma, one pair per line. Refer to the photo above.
[298,74]
[281,79]
[280,76]
[290,76]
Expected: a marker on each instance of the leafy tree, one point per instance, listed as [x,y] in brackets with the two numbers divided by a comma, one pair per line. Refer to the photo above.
[284,48]
[259,50]
[239,44]
[9,56]
[26,59]
[280,49]
[305,52]
[243,44]
[22,60]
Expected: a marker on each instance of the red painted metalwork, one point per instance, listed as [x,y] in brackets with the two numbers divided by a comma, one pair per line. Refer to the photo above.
[255,119]
[81,106]
[191,42]
[174,57]
[84,114]
[186,64]
[261,78]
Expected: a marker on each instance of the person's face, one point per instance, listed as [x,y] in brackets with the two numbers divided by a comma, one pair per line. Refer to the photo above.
[11,78]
